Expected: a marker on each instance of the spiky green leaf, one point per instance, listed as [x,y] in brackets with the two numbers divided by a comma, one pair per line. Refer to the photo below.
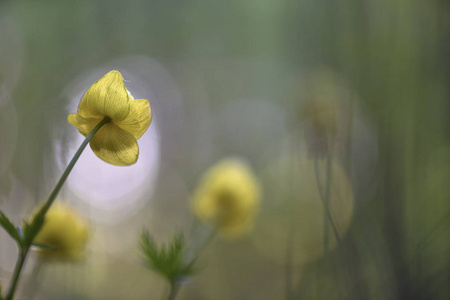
[167,260]
[45,246]
[10,228]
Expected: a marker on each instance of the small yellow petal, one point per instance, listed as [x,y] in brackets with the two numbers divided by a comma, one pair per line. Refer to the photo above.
[106,97]
[84,125]
[138,119]
[115,145]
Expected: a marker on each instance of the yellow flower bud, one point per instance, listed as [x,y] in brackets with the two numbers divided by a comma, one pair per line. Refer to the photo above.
[227,197]
[116,141]
[64,234]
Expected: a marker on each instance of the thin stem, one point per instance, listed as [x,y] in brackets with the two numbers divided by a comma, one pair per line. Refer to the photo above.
[193,251]
[71,164]
[327,202]
[350,137]
[17,270]
[208,240]
[290,237]
[174,289]
[24,249]
[326,196]
[190,259]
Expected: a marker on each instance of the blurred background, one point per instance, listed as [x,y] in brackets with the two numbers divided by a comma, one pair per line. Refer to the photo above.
[338,106]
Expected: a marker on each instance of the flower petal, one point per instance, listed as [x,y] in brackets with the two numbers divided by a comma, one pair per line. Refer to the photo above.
[138,119]
[106,97]
[84,125]
[115,146]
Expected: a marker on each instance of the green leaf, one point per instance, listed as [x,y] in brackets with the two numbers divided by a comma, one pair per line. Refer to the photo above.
[45,246]
[10,228]
[168,260]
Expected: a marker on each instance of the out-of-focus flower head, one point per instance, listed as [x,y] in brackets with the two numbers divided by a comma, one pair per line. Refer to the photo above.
[116,141]
[322,108]
[227,197]
[64,234]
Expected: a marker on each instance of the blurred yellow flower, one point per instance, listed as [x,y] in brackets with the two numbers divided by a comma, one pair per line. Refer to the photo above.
[228,197]
[64,234]
[116,141]
[325,109]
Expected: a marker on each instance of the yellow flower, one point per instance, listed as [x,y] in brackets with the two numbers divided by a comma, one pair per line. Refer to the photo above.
[228,197]
[116,141]
[64,232]
[324,109]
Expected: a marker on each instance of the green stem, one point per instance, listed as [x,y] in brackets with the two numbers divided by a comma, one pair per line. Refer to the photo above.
[71,164]
[208,240]
[174,289]
[17,270]
[23,252]
[190,259]
[325,197]
[194,252]
[327,202]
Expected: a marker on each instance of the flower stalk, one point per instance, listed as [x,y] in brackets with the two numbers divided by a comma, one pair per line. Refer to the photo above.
[175,283]
[71,164]
[37,222]
[174,289]
[17,270]
[325,197]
